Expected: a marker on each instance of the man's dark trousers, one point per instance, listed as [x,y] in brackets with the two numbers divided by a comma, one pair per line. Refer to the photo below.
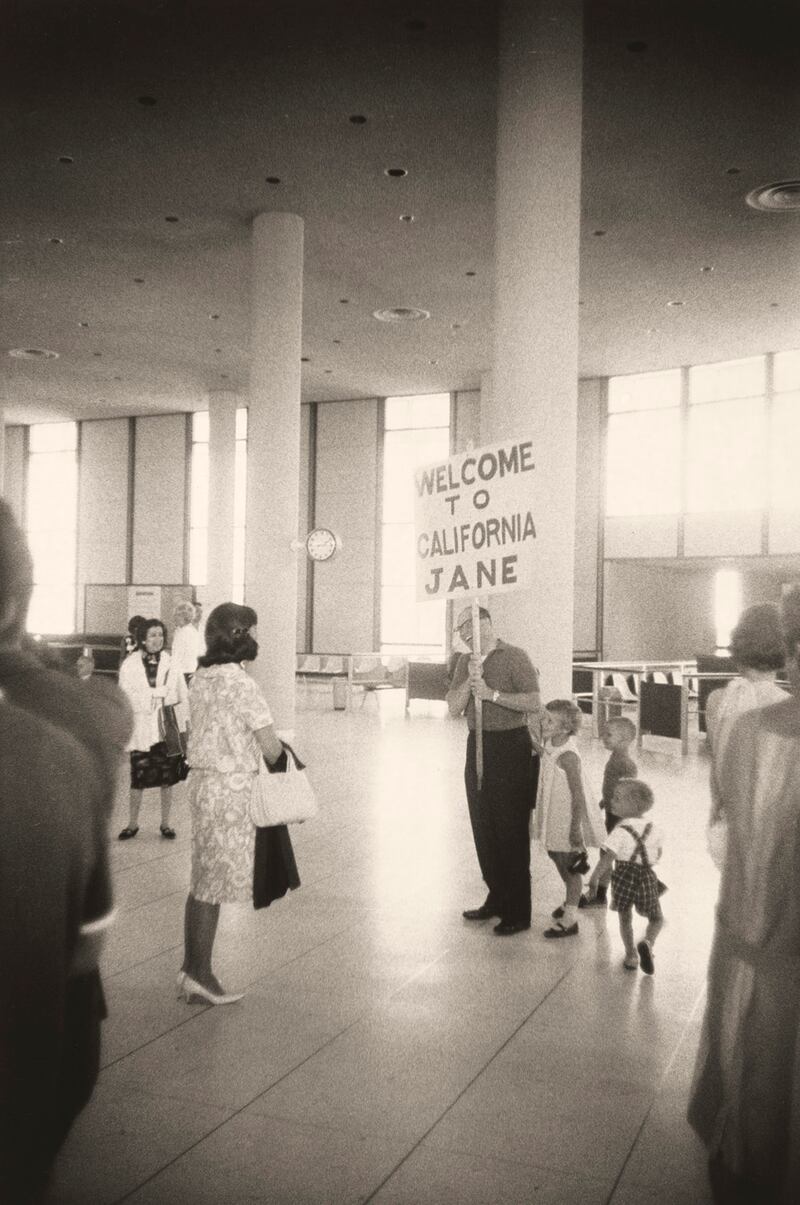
[500,815]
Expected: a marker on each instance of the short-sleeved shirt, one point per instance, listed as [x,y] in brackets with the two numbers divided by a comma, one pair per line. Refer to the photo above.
[621,844]
[226,707]
[618,766]
[507,669]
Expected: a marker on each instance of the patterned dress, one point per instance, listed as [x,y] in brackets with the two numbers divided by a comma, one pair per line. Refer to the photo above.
[226,707]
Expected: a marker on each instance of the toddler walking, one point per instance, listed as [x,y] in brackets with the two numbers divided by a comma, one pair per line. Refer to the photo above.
[564,821]
[618,737]
[629,853]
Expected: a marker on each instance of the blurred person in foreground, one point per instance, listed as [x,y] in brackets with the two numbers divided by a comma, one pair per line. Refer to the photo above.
[60,753]
[745,1102]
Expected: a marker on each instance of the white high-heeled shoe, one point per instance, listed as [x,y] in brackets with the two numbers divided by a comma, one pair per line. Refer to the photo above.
[190,987]
[179,983]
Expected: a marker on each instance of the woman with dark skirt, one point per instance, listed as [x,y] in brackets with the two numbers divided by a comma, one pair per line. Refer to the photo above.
[147,680]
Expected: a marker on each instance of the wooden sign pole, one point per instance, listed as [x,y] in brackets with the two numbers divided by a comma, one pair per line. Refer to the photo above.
[476,650]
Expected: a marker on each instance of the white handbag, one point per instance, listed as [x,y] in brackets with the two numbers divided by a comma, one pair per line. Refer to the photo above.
[282,798]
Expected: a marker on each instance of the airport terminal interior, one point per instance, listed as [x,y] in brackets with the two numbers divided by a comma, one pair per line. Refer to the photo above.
[260,261]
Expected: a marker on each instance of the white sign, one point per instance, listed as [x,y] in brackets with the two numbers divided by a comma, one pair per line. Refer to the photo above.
[144,600]
[474,526]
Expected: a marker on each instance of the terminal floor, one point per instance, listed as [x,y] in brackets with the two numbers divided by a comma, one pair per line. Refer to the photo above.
[387,1050]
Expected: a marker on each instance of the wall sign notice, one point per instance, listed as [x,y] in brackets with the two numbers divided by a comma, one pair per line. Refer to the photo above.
[144,600]
[474,527]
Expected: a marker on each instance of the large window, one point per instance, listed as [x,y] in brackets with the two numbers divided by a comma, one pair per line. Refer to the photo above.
[726,462]
[416,432]
[785,433]
[643,446]
[52,526]
[198,502]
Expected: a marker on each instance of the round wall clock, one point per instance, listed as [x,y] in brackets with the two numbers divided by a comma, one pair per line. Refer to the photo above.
[321,544]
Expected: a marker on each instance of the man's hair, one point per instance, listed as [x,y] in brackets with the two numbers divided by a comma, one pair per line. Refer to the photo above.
[639,792]
[228,636]
[571,712]
[184,612]
[16,576]
[621,723]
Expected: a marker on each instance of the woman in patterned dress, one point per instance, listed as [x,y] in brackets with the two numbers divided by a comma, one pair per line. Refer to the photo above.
[231,730]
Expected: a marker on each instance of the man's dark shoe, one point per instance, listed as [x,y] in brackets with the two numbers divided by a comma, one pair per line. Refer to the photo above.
[482,913]
[508,928]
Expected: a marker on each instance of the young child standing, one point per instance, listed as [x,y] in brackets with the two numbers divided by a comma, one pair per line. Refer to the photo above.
[564,820]
[618,737]
[631,850]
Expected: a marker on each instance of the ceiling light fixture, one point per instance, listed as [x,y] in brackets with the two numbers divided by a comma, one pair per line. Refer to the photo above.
[65,159]
[707,268]
[395,172]
[273,179]
[33,353]
[775,198]
[470,273]
[357,119]
[407,217]
[57,241]
[401,313]
[83,324]
[674,305]
[170,218]
[148,101]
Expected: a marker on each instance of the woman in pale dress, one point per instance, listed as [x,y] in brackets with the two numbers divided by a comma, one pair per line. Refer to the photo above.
[757,652]
[186,642]
[231,730]
[745,1101]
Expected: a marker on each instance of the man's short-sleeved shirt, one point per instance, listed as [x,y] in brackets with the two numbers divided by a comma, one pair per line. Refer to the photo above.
[508,669]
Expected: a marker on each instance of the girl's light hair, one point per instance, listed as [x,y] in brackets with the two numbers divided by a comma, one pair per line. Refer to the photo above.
[573,716]
[639,792]
[184,612]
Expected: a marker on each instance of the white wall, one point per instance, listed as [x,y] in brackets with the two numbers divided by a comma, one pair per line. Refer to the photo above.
[159,499]
[346,500]
[102,505]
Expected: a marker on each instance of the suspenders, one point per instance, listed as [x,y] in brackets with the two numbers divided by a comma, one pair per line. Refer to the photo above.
[640,851]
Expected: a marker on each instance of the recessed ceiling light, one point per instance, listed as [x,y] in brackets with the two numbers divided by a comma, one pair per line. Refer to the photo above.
[775,198]
[65,159]
[733,171]
[148,100]
[33,353]
[674,305]
[636,47]
[273,179]
[357,119]
[401,313]
[470,273]
[57,241]
[138,280]
[598,233]
[305,359]
[707,268]
[170,218]
[395,172]
[407,217]
[83,324]
[213,317]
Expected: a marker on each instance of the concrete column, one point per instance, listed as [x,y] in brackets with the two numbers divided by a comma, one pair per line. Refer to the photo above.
[2,450]
[274,453]
[535,372]
[221,453]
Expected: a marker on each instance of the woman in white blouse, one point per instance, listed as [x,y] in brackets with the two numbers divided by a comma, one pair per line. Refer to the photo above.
[150,683]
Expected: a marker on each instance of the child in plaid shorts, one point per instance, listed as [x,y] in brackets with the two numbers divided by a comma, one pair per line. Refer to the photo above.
[632,849]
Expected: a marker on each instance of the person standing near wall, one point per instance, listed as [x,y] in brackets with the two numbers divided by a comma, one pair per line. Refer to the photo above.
[186,641]
[508,685]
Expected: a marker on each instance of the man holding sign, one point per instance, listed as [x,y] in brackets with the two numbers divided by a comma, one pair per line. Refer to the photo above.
[502,677]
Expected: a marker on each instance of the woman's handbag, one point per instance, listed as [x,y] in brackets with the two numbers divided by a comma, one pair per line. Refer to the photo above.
[282,798]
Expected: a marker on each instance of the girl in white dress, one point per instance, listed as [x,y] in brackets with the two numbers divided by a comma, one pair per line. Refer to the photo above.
[564,820]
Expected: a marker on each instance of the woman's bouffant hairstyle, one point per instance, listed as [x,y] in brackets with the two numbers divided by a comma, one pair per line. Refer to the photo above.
[570,711]
[757,639]
[228,636]
[145,626]
[790,616]
[183,612]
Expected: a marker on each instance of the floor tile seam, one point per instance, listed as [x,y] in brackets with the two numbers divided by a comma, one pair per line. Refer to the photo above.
[468,1085]
[233,1114]
[179,1024]
[656,1095]
[126,910]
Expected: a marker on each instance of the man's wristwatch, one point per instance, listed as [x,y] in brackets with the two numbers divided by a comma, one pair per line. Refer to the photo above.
[495,695]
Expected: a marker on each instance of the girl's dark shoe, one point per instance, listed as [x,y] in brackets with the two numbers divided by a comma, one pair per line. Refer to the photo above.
[127,833]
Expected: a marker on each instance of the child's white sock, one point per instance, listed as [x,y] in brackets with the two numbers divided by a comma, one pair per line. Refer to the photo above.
[570,916]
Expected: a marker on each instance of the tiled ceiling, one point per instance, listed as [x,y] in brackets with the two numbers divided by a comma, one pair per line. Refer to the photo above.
[140,138]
